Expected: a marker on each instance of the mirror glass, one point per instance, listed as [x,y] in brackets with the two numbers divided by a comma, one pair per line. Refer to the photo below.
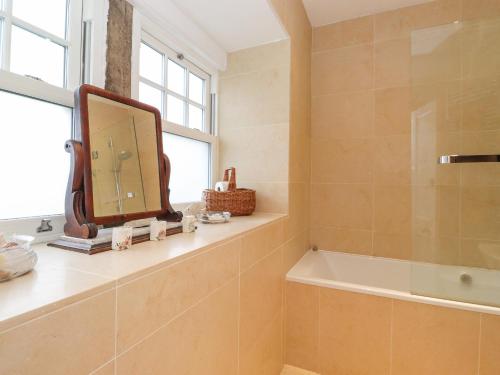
[124,158]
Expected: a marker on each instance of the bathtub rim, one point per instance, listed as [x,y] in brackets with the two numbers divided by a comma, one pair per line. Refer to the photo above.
[384,292]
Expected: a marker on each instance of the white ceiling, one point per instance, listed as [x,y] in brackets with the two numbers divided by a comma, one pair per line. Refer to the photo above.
[235,24]
[212,28]
[324,12]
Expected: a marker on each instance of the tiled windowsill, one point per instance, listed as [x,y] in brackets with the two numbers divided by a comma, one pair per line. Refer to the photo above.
[63,277]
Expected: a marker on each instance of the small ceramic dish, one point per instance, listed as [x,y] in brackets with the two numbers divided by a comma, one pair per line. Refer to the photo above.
[214,217]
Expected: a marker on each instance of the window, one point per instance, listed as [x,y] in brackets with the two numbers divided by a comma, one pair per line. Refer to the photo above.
[39,69]
[181,91]
[38,40]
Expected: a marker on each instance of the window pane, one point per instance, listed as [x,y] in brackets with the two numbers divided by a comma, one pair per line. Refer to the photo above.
[32,134]
[196,88]
[195,117]
[175,110]
[176,78]
[190,167]
[49,16]
[37,57]
[151,96]
[151,64]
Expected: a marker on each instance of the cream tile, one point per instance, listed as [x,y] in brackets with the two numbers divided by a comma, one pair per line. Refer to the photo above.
[342,34]
[264,357]
[342,205]
[481,104]
[490,342]
[392,63]
[272,197]
[290,370]
[204,340]
[74,340]
[344,115]
[479,212]
[429,339]
[294,249]
[107,369]
[355,335]
[392,209]
[247,147]
[392,160]
[440,250]
[479,9]
[258,98]
[302,326]
[432,62]
[401,22]
[480,253]
[341,161]
[249,60]
[392,245]
[261,242]
[146,304]
[341,239]
[346,69]
[260,301]
[392,111]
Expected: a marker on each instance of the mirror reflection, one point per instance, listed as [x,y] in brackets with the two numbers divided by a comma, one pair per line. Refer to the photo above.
[124,158]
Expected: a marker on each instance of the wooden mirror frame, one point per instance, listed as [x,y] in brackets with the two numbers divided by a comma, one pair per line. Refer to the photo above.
[80,219]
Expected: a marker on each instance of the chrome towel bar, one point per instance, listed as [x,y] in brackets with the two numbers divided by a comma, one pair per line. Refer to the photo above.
[453,159]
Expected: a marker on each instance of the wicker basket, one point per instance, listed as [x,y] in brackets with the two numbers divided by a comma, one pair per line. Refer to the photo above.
[240,202]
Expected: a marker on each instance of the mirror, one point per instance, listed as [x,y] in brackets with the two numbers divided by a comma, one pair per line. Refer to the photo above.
[125,170]
[119,172]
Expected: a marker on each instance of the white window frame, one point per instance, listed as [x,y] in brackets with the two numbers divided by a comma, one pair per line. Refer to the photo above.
[163,42]
[64,96]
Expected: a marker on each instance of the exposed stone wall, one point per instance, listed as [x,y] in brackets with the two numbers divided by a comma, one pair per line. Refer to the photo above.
[119,51]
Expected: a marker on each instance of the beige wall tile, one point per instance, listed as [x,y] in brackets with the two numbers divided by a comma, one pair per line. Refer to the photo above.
[481,104]
[342,205]
[392,63]
[254,99]
[204,340]
[265,355]
[146,304]
[342,239]
[490,342]
[271,196]
[355,334]
[264,57]
[391,161]
[392,209]
[480,253]
[392,245]
[434,340]
[474,9]
[294,249]
[341,161]
[74,340]
[432,62]
[440,250]
[260,299]
[401,22]
[479,212]
[392,111]
[346,69]
[342,34]
[261,242]
[245,148]
[108,369]
[302,326]
[339,115]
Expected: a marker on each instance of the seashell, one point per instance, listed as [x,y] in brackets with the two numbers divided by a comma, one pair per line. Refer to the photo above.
[17,259]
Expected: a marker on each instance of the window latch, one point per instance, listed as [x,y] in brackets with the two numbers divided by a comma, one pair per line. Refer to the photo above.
[44,226]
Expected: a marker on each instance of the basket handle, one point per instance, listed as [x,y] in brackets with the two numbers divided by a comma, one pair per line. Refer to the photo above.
[231,179]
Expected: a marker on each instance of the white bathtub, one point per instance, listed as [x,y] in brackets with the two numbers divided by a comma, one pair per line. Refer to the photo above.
[396,278]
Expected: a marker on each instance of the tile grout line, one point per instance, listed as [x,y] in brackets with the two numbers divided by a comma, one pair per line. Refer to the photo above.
[177,316]
[479,344]
[372,174]
[116,329]
[391,342]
